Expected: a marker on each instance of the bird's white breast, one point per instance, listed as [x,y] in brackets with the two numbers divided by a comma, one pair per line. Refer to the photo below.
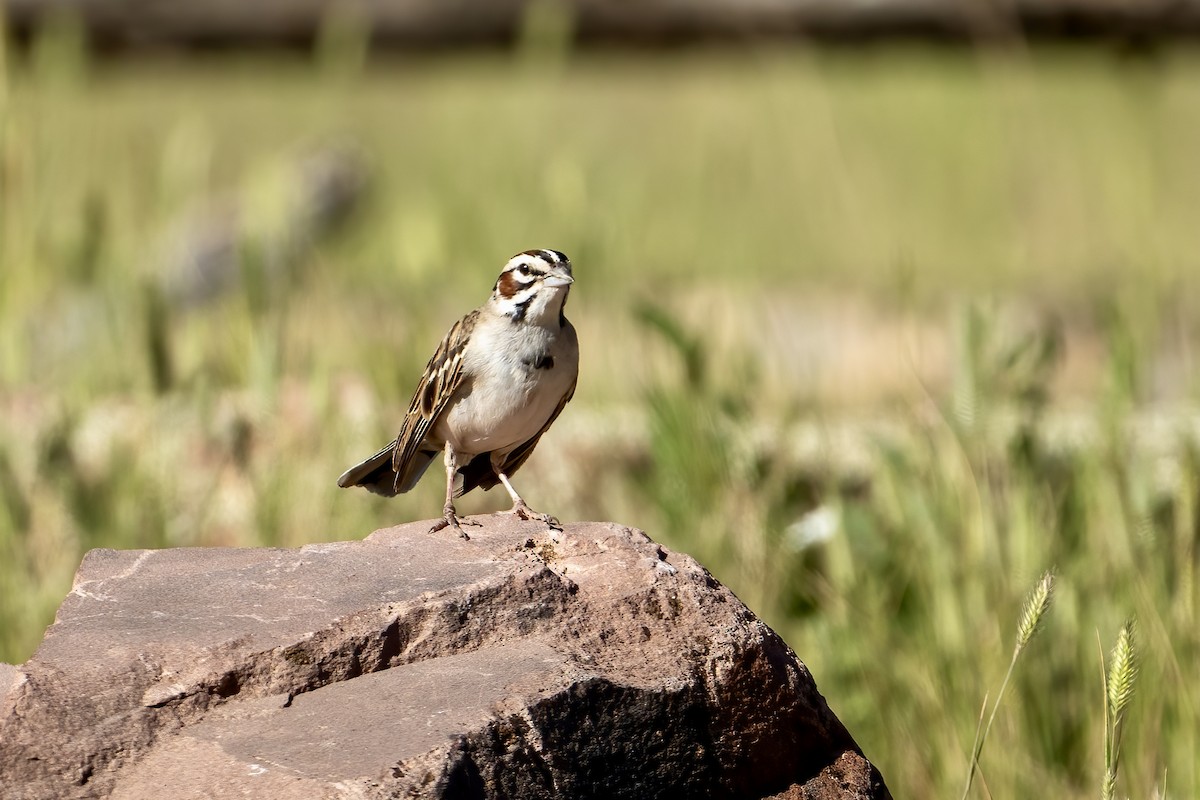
[507,398]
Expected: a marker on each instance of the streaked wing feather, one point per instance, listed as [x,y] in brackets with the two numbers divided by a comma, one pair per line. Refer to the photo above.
[443,375]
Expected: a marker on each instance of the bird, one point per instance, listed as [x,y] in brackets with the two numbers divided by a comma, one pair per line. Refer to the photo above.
[495,384]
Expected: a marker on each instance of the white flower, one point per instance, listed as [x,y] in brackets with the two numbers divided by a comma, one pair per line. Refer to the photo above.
[814,528]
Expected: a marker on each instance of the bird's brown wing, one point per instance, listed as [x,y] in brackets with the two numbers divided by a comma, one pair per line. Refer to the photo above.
[484,476]
[442,378]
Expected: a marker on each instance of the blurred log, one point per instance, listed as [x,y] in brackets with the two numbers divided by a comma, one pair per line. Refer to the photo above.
[129,23]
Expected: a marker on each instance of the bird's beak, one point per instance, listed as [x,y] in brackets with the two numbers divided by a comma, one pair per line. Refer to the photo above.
[557,278]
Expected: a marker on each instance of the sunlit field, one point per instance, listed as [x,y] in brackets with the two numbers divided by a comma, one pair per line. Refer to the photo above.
[880,336]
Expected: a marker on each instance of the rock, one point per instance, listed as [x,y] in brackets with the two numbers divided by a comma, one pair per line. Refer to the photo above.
[9,677]
[523,663]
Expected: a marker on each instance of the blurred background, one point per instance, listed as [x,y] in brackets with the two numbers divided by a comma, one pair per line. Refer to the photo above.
[886,309]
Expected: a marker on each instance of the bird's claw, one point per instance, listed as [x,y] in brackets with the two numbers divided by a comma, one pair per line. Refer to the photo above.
[522,511]
[450,519]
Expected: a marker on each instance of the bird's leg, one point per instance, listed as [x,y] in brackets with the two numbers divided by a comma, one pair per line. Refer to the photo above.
[521,508]
[449,515]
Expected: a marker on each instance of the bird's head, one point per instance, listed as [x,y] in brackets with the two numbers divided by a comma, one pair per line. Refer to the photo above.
[533,286]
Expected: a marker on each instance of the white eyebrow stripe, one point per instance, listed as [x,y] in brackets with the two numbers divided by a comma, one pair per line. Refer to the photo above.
[538,262]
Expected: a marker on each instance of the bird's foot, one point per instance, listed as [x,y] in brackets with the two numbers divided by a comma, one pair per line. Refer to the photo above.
[450,519]
[522,511]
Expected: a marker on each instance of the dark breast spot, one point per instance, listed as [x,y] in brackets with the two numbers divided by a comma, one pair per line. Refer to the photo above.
[540,361]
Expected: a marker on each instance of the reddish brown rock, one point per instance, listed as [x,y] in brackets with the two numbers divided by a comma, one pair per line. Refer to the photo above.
[522,663]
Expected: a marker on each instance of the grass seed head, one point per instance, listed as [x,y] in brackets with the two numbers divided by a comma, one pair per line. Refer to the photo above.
[1035,609]
[1122,670]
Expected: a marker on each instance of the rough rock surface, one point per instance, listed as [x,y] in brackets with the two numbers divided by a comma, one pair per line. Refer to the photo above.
[523,663]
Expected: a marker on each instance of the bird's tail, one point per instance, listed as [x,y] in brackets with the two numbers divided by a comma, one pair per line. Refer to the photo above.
[476,473]
[375,474]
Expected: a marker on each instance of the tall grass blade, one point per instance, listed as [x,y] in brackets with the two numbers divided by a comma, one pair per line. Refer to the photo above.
[1119,682]
[1032,613]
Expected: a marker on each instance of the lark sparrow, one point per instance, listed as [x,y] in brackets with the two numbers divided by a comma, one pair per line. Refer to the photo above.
[496,383]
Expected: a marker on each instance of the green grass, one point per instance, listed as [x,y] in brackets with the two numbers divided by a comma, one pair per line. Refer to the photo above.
[880,336]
